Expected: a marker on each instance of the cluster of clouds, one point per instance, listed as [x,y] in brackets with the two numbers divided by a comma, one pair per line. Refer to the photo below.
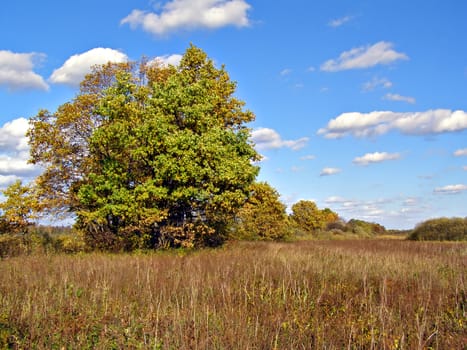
[17,69]
[368,158]
[401,211]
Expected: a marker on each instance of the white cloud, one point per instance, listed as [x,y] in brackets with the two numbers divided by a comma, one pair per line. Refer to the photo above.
[285,72]
[461,152]
[375,83]
[14,150]
[266,138]
[330,171]
[376,157]
[364,57]
[339,21]
[13,135]
[167,60]
[77,66]
[380,122]
[308,157]
[451,189]
[16,71]
[465,168]
[397,97]
[7,180]
[191,14]
[17,165]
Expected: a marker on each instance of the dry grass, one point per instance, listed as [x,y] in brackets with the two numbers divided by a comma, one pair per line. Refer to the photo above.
[374,294]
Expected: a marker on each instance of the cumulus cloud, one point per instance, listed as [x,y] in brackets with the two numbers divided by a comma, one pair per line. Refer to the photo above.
[451,189]
[17,71]
[77,66]
[17,165]
[400,98]
[13,135]
[330,171]
[375,83]
[339,21]
[380,53]
[461,152]
[266,138]
[14,153]
[376,157]
[191,14]
[380,122]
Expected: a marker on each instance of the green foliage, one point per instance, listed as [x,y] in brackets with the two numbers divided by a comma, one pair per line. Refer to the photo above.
[163,158]
[307,218]
[441,229]
[263,216]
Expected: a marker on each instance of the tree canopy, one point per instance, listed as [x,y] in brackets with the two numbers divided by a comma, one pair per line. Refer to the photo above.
[147,155]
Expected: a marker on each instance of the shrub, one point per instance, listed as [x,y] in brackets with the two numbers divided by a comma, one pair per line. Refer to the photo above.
[440,229]
[364,228]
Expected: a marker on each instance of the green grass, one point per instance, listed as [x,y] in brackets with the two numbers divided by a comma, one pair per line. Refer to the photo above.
[356,294]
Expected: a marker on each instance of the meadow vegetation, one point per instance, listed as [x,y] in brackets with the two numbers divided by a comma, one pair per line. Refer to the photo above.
[354,294]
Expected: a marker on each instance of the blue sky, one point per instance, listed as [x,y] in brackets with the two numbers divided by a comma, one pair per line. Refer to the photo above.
[360,105]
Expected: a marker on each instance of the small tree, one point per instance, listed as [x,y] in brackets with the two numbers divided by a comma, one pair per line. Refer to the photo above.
[306,217]
[263,216]
[18,210]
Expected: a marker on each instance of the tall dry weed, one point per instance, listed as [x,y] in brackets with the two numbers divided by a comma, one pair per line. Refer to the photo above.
[307,295]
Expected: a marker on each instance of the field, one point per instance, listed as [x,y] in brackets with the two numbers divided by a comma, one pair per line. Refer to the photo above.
[349,294]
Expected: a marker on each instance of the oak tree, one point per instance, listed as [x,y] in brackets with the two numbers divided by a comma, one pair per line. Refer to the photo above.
[148,155]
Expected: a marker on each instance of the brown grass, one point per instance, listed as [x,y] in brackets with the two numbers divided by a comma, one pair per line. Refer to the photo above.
[373,294]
